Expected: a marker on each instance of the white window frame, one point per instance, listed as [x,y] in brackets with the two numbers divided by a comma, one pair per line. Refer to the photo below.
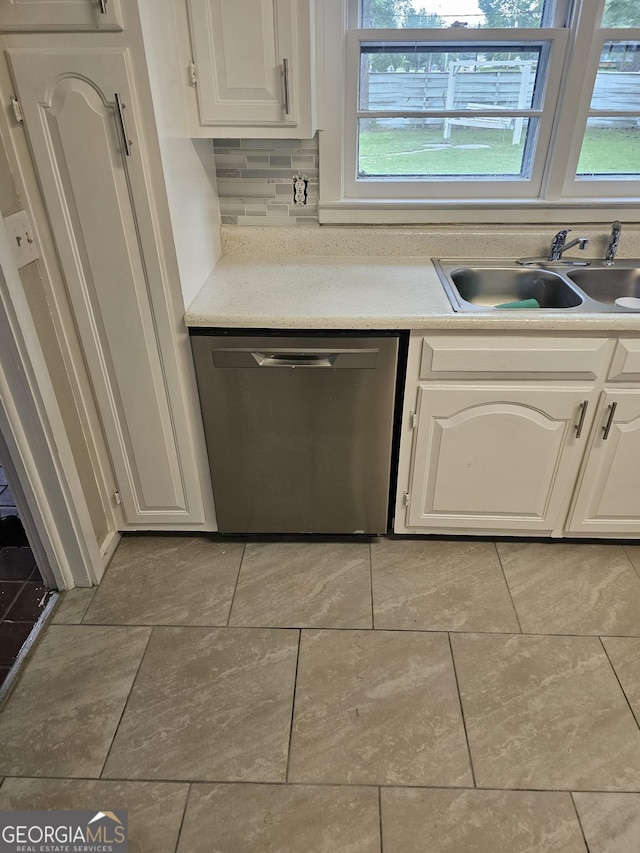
[587,187]
[552,193]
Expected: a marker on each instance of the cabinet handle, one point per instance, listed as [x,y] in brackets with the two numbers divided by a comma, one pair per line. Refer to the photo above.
[103,7]
[606,429]
[583,411]
[123,127]
[287,100]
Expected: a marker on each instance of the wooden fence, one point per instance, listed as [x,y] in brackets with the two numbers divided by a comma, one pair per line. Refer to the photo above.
[427,90]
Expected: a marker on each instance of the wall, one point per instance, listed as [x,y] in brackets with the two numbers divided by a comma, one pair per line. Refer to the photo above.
[188,170]
[255,181]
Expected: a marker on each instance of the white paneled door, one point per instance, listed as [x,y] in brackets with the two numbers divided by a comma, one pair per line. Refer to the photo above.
[80,117]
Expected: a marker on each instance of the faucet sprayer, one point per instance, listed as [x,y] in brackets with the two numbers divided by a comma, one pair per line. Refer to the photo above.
[612,248]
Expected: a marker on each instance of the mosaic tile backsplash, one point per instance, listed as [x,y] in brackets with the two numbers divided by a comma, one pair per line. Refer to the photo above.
[256,181]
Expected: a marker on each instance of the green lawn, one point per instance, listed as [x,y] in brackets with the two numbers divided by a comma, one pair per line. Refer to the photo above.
[475,151]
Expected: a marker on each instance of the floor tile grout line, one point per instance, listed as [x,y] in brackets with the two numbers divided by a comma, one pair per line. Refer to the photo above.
[126,703]
[184,814]
[464,721]
[309,627]
[624,692]
[373,613]
[235,586]
[375,785]
[21,585]
[380,818]
[86,610]
[504,575]
[575,808]
[293,707]
[628,556]
[26,620]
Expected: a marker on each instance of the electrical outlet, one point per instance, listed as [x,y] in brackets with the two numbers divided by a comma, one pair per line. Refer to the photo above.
[22,238]
[300,186]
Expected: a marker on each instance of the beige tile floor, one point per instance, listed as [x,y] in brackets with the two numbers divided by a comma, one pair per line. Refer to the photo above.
[404,695]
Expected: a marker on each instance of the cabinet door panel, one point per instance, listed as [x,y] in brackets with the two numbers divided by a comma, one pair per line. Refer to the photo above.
[239,50]
[60,15]
[88,184]
[493,457]
[608,499]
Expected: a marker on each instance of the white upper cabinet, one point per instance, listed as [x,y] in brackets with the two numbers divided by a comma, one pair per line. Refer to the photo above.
[252,63]
[60,15]
[81,119]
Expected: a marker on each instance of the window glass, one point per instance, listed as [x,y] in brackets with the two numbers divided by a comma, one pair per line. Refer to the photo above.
[621,13]
[611,144]
[439,148]
[445,79]
[452,77]
[438,14]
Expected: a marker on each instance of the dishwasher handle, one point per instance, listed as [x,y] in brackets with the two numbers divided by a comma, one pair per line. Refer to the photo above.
[336,359]
[295,359]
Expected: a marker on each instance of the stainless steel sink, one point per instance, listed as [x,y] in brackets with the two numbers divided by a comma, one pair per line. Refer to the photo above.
[606,284]
[487,285]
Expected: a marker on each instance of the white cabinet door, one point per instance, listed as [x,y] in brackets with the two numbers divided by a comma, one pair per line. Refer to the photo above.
[495,457]
[98,201]
[608,498]
[60,15]
[247,56]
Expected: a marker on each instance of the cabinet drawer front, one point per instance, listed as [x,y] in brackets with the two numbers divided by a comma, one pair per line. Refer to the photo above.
[625,366]
[488,356]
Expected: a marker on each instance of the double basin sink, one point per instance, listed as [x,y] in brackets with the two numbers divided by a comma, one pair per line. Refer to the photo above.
[491,285]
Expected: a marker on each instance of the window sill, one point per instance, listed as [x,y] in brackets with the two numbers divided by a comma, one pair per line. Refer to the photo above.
[412,212]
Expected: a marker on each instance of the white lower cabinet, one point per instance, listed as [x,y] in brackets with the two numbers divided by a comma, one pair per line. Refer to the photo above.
[608,497]
[495,457]
[80,117]
[554,451]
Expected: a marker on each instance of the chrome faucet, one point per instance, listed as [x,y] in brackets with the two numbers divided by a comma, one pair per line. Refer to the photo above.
[559,246]
[557,249]
[612,248]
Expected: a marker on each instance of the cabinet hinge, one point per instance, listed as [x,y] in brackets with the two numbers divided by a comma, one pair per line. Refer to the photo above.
[413,419]
[116,497]
[193,73]
[405,498]
[17,111]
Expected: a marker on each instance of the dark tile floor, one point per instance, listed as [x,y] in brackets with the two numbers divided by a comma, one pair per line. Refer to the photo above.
[23,595]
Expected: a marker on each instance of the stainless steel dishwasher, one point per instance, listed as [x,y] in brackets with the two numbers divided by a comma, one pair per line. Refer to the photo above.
[298,430]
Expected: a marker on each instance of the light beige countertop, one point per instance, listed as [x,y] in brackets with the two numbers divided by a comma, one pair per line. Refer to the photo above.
[376,278]
[320,293]
[336,292]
